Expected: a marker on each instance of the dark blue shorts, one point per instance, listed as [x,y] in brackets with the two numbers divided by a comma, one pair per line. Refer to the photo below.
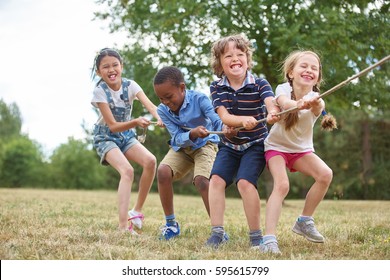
[231,164]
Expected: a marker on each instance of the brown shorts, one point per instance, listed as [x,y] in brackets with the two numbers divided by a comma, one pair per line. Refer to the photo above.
[182,161]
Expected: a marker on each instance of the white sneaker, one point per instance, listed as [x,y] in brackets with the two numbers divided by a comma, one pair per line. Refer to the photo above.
[270,246]
[136,218]
[128,230]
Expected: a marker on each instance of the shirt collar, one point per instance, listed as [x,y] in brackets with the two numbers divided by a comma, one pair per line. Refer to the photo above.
[249,79]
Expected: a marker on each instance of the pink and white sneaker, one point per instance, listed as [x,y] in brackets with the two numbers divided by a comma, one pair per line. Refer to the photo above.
[135,219]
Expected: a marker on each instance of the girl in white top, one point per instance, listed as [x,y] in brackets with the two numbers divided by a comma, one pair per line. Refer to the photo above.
[290,144]
[114,136]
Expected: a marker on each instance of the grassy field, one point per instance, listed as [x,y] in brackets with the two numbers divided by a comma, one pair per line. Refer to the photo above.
[82,225]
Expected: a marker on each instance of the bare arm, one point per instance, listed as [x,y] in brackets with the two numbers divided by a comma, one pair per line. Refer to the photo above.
[286,103]
[119,126]
[236,121]
[316,105]
[149,106]
[272,109]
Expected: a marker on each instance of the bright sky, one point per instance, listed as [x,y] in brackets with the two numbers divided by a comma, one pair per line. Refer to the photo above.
[48,48]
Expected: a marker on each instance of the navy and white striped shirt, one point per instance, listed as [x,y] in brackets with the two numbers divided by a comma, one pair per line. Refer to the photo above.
[246,101]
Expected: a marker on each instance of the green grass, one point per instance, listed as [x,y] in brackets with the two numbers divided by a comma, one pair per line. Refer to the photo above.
[80,225]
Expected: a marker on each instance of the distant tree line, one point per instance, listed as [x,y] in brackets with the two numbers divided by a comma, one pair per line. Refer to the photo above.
[349,35]
[75,165]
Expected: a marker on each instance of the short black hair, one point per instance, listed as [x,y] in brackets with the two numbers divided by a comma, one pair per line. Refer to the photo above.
[169,73]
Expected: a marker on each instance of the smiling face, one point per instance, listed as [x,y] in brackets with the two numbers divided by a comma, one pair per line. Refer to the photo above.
[234,62]
[110,70]
[171,95]
[306,72]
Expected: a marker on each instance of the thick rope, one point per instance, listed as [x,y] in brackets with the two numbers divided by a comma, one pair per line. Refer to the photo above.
[333,89]
[326,93]
[189,128]
[361,73]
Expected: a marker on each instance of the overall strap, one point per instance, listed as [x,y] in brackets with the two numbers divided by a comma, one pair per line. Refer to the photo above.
[124,96]
[125,90]
[108,94]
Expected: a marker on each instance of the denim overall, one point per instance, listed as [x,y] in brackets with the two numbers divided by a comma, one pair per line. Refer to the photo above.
[105,140]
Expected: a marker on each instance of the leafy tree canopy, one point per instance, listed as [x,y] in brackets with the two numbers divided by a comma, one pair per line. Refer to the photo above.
[349,35]
[10,120]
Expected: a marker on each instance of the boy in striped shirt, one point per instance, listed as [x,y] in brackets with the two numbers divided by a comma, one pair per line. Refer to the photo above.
[240,99]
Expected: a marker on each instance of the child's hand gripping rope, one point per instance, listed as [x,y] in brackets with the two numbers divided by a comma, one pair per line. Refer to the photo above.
[142,138]
[333,89]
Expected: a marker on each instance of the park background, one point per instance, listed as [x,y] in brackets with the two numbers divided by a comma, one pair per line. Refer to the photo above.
[349,35]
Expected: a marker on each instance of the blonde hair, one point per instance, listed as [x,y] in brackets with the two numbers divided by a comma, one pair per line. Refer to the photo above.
[292,59]
[328,121]
[218,49]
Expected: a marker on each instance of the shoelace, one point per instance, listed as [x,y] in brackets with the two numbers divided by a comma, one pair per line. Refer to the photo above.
[273,246]
[270,247]
[140,216]
[310,228]
[165,228]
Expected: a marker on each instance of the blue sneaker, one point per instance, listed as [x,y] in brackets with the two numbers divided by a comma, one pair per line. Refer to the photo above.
[168,231]
[216,240]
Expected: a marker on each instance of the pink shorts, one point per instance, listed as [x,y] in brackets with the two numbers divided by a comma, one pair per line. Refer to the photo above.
[289,158]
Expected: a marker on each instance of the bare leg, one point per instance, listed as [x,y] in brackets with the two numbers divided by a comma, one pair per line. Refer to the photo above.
[202,185]
[217,200]
[251,202]
[117,160]
[315,167]
[277,167]
[147,160]
[165,188]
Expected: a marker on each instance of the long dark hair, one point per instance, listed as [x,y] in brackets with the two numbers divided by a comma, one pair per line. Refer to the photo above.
[98,59]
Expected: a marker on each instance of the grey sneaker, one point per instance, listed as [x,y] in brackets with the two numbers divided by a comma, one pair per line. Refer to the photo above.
[270,246]
[216,240]
[308,230]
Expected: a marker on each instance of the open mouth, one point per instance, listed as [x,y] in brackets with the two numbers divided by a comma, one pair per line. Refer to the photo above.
[236,66]
[307,77]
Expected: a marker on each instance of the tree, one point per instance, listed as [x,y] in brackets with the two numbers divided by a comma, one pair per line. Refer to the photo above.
[181,33]
[349,35]
[21,163]
[10,121]
[21,159]
[75,166]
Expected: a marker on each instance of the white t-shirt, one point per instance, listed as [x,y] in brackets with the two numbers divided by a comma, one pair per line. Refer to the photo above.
[100,96]
[299,138]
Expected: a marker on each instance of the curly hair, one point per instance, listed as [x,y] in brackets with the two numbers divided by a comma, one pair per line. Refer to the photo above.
[218,49]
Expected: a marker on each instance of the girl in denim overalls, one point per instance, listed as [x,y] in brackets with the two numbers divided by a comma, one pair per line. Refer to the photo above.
[114,137]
